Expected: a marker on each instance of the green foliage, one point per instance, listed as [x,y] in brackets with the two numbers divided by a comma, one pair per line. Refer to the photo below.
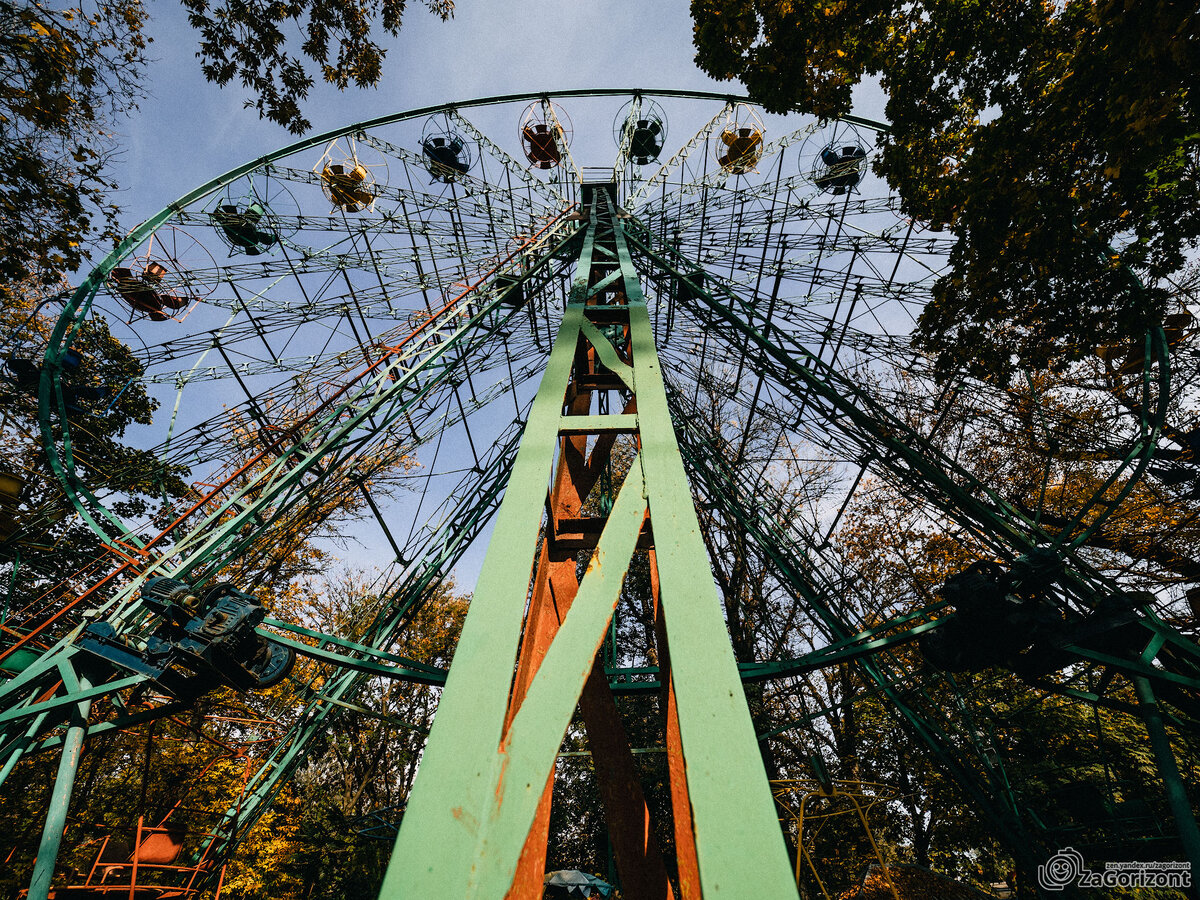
[331,831]
[250,40]
[65,75]
[1078,775]
[1039,133]
[104,396]
[68,74]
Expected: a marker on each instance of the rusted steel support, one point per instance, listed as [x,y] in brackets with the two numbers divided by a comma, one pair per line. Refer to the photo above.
[639,859]
[554,587]
[681,807]
[555,584]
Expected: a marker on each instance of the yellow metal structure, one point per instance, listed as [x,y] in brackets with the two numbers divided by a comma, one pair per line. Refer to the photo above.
[861,796]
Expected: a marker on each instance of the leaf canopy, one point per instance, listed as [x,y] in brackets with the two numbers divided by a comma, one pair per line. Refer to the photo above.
[1059,141]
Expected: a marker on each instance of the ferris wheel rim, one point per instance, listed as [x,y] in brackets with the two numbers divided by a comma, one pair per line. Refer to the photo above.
[80,302]
[214,186]
[91,285]
[78,306]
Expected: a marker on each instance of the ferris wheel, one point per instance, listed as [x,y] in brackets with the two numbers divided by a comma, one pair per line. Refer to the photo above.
[348,342]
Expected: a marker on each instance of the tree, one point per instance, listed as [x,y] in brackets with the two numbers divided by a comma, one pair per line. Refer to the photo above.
[342,809]
[293,538]
[43,544]
[248,40]
[1080,774]
[1060,142]
[65,76]
[181,772]
[1049,445]
[1046,447]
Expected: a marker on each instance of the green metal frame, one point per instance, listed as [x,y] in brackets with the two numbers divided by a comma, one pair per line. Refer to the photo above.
[794,565]
[52,405]
[899,452]
[939,480]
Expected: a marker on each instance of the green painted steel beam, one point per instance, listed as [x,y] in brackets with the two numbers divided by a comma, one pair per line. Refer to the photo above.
[16,749]
[739,846]
[610,424]
[1168,769]
[120,723]
[60,797]
[68,700]
[1134,668]
[607,353]
[365,666]
[840,652]
[349,646]
[355,708]
[456,780]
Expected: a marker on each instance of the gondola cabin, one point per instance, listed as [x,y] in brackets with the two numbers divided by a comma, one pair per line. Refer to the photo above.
[640,131]
[541,145]
[645,141]
[245,228]
[840,169]
[145,292]
[743,148]
[446,157]
[350,188]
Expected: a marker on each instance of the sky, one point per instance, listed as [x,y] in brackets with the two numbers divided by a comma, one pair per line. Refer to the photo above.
[188,130]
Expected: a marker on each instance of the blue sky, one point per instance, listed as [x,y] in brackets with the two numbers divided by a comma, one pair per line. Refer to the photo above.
[188,131]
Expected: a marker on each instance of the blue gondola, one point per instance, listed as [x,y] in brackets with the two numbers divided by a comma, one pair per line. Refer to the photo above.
[840,168]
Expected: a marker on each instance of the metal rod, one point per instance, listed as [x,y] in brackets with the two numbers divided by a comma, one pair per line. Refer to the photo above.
[60,799]
[1181,809]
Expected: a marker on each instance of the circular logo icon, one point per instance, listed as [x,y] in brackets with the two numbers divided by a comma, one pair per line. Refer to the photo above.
[1060,870]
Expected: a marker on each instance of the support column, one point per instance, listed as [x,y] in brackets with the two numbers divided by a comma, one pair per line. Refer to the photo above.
[555,586]
[681,805]
[475,822]
[631,833]
[60,799]
[1181,809]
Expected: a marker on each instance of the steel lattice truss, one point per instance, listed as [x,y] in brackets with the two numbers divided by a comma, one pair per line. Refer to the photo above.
[345,339]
